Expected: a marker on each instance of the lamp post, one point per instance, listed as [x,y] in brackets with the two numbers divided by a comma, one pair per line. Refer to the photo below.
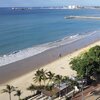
[82,90]
[81,86]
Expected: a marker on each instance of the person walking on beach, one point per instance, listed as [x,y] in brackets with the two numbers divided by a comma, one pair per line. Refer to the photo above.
[60,55]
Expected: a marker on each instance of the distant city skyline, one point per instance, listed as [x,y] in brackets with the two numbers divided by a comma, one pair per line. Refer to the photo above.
[41,3]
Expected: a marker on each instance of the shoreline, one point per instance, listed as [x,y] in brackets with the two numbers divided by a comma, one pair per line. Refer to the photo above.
[17,69]
[34,50]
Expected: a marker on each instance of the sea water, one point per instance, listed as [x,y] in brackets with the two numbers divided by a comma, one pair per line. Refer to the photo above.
[25,33]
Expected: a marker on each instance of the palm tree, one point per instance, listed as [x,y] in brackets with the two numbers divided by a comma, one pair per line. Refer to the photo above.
[50,77]
[58,80]
[32,88]
[43,74]
[18,93]
[9,89]
[38,77]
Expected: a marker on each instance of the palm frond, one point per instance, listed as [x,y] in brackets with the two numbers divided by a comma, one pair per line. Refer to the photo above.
[4,91]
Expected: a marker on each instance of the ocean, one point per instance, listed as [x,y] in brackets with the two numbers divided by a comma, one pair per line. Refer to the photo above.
[25,33]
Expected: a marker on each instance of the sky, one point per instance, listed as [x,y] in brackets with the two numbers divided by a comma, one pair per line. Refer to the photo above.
[38,3]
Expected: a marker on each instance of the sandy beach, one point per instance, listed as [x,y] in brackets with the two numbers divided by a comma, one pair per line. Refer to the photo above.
[60,66]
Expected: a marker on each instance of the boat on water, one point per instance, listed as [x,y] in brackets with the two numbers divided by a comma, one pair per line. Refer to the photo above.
[19,8]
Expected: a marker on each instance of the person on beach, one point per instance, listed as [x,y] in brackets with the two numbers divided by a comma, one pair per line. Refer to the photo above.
[60,55]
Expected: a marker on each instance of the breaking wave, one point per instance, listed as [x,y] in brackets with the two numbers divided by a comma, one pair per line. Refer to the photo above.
[22,54]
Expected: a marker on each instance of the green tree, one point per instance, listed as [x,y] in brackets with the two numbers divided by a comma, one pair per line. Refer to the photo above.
[32,88]
[50,77]
[58,80]
[87,63]
[9,89]
[38,77]
[43,75]
[18,93]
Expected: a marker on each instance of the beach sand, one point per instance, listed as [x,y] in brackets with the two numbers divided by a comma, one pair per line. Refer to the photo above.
[60,66]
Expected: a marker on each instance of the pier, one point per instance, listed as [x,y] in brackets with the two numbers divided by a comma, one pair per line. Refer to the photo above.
[82,17]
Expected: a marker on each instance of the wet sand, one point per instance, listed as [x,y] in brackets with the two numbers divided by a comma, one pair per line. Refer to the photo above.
[22,67]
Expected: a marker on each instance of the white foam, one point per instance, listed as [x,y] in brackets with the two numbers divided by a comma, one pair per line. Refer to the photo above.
[6,59]
[74,36]
[22,54]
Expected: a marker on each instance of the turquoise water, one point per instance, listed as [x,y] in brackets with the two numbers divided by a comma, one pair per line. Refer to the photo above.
[22,29]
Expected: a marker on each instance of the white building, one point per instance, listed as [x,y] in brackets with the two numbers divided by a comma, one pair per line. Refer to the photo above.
[72,7]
